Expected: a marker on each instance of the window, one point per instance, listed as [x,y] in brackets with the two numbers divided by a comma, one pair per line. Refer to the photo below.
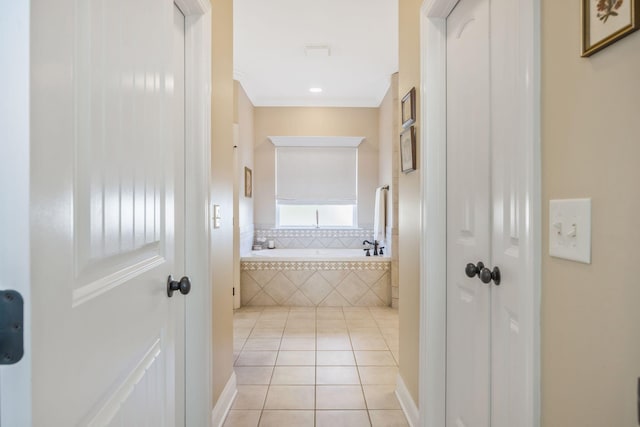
[316,186]
[316,215]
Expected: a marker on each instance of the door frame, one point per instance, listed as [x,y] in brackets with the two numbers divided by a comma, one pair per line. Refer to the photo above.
[15,383]
[198,315]
[433,250]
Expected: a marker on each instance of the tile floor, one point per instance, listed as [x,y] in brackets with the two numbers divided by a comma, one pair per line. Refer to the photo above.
[325,366]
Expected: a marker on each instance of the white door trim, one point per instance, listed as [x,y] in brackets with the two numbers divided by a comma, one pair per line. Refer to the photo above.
[15,273]
[197,171]
[433,277]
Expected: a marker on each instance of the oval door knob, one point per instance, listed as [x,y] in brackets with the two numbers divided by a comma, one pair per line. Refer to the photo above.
[487,275]
[184,286]
[474,270]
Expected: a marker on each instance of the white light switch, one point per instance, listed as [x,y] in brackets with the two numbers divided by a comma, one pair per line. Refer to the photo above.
[570,229]
[216,216]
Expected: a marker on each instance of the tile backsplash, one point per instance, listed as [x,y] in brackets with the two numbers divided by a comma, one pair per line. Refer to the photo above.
[315,238]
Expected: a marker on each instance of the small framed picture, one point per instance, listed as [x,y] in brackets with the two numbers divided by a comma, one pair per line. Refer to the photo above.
[248,183]
[606,21]
[408,149]
[408,106]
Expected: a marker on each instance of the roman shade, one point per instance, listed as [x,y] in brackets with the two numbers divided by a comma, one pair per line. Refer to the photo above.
[316,175]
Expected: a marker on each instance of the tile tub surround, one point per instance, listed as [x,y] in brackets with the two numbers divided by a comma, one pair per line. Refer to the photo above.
[345,373]
[351,280]
[316,238]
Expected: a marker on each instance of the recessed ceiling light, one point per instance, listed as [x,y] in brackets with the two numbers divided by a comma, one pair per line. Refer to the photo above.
[315,89]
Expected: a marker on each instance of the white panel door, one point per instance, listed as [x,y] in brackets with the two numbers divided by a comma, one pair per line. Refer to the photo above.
[488,352]
[468,234]
[107,224]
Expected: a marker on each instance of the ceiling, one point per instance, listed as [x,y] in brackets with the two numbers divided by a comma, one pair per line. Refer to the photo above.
[275,69]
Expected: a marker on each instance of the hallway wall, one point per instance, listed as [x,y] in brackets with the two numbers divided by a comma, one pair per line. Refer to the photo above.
[222,171]
[389,166]
[590,148]
[409,222]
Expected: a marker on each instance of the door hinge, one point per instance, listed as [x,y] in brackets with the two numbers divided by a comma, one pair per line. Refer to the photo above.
[234,291]
[11,327]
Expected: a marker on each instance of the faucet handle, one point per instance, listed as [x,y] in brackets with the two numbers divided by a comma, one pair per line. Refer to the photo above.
[367,252]
[380,252]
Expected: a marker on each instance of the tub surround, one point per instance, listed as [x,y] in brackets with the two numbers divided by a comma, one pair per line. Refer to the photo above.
[315,277]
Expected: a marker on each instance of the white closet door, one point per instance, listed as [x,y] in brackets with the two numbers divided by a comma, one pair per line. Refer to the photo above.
[468,214]
[107,226]
[490,343]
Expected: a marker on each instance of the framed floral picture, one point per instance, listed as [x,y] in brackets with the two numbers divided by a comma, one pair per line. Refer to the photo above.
[607,21]
[408,150]
[408,108]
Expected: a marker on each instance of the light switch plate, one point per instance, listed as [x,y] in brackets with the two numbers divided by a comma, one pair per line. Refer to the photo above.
[570,229]
[216,216]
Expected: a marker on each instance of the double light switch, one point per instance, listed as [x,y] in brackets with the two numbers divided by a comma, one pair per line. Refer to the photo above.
[570,229]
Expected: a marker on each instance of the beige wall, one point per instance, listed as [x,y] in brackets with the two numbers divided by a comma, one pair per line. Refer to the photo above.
[409,210]
[388,175]
[222,192]
[591,148]
[313,121]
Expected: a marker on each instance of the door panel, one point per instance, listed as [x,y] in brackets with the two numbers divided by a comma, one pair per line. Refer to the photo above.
[107,221]
[468,189]
[509,231]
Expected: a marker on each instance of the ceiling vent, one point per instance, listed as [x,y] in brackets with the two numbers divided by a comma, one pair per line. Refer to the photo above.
[317,50]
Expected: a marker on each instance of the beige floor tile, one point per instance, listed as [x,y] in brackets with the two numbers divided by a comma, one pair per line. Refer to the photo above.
[296,358]
[339,397]
[242,418]
[386,418]
[257,358]
[335,358]
[266,333]
[299,333]
[253,344]
[241,333]
[333,343]
[298,343]
[294,375]
[250,397]
[378,375]
[301,324]
[333,333]
[343,375]
[253,374]
[381,397]
[288,418]
[374,358]
[271,323]
[331,323]
[367,343]
[290,397]
[329,313]
[365,332]
[342,419]
[361,323]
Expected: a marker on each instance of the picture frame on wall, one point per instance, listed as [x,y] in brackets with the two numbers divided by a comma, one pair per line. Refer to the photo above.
[606,21]
[248,182]
[408,150]
[408,108]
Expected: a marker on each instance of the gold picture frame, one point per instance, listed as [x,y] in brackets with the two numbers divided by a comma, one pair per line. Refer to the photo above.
[606,21]
[248,182]
[408,150]
[408,108]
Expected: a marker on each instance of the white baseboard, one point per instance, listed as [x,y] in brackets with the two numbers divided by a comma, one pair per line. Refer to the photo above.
[224,403]
[408,405]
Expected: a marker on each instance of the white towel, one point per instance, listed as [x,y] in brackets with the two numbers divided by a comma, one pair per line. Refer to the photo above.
[380,215]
